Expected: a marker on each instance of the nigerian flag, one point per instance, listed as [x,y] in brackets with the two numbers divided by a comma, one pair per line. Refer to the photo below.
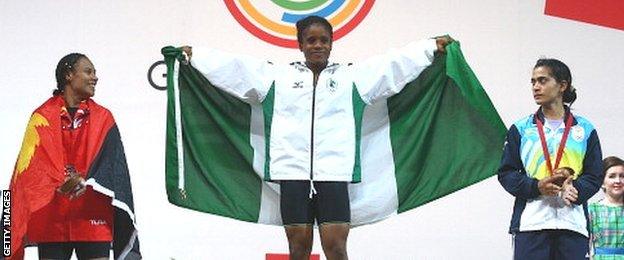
[440,134]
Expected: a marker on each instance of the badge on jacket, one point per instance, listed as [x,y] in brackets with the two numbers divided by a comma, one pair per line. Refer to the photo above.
[331,85]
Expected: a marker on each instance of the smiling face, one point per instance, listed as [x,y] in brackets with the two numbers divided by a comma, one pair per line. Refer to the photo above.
[546,89]
[81,80]
[316,45]
[613,183]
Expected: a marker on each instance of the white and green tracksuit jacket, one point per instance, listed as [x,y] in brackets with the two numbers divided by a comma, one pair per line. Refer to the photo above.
[313,132]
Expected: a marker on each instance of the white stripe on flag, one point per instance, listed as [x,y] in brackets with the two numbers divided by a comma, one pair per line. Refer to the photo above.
[269,199]
[178,123]
[378,186]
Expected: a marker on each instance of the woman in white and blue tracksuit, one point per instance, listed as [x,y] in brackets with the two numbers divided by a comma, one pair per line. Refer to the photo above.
[550,216]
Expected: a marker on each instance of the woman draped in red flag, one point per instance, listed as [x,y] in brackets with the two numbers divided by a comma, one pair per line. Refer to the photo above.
[70,187]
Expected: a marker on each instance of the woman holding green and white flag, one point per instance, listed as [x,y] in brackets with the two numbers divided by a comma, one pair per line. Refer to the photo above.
[263,143]
[313,112]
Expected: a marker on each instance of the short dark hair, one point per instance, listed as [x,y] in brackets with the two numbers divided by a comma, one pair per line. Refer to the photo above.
[305,23]
[561,72]
[66,65]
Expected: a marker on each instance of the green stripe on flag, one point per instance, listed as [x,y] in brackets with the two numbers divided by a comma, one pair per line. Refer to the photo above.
[358,113]
[216,127]
[267,110]
[445,132]
[171,149]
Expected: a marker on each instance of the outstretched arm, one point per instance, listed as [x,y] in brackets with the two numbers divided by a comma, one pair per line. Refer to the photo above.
[385,75]
[242,76]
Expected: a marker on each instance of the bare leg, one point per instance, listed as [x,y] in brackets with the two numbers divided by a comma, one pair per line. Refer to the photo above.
[299,241]
[334,240]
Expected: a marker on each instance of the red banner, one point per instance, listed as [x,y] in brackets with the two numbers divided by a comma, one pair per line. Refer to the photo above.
[608,13]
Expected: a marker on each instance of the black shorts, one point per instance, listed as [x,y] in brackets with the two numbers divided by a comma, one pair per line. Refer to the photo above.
[330,204]
[84,250]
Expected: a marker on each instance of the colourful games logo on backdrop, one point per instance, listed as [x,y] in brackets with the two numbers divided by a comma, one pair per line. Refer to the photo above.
[274,21]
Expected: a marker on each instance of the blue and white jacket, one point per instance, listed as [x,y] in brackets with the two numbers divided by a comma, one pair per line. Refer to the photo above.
[523,165]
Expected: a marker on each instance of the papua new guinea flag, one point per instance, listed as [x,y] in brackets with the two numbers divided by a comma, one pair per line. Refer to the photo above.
[440,134]
[40,170]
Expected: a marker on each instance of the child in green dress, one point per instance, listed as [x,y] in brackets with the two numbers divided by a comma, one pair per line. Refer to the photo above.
[607,215]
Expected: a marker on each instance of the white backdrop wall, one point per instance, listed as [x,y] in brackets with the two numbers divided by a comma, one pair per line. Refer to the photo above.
[500,39]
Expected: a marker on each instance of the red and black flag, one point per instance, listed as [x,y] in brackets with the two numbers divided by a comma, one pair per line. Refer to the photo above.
[97,152]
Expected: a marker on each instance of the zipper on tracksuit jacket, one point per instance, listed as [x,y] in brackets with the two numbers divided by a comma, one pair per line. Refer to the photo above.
[314,83]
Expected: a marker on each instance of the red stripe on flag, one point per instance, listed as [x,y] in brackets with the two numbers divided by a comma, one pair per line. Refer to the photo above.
[285,257]
[609,13]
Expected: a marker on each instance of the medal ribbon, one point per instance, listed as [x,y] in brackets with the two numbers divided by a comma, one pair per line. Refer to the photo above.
[564,138]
